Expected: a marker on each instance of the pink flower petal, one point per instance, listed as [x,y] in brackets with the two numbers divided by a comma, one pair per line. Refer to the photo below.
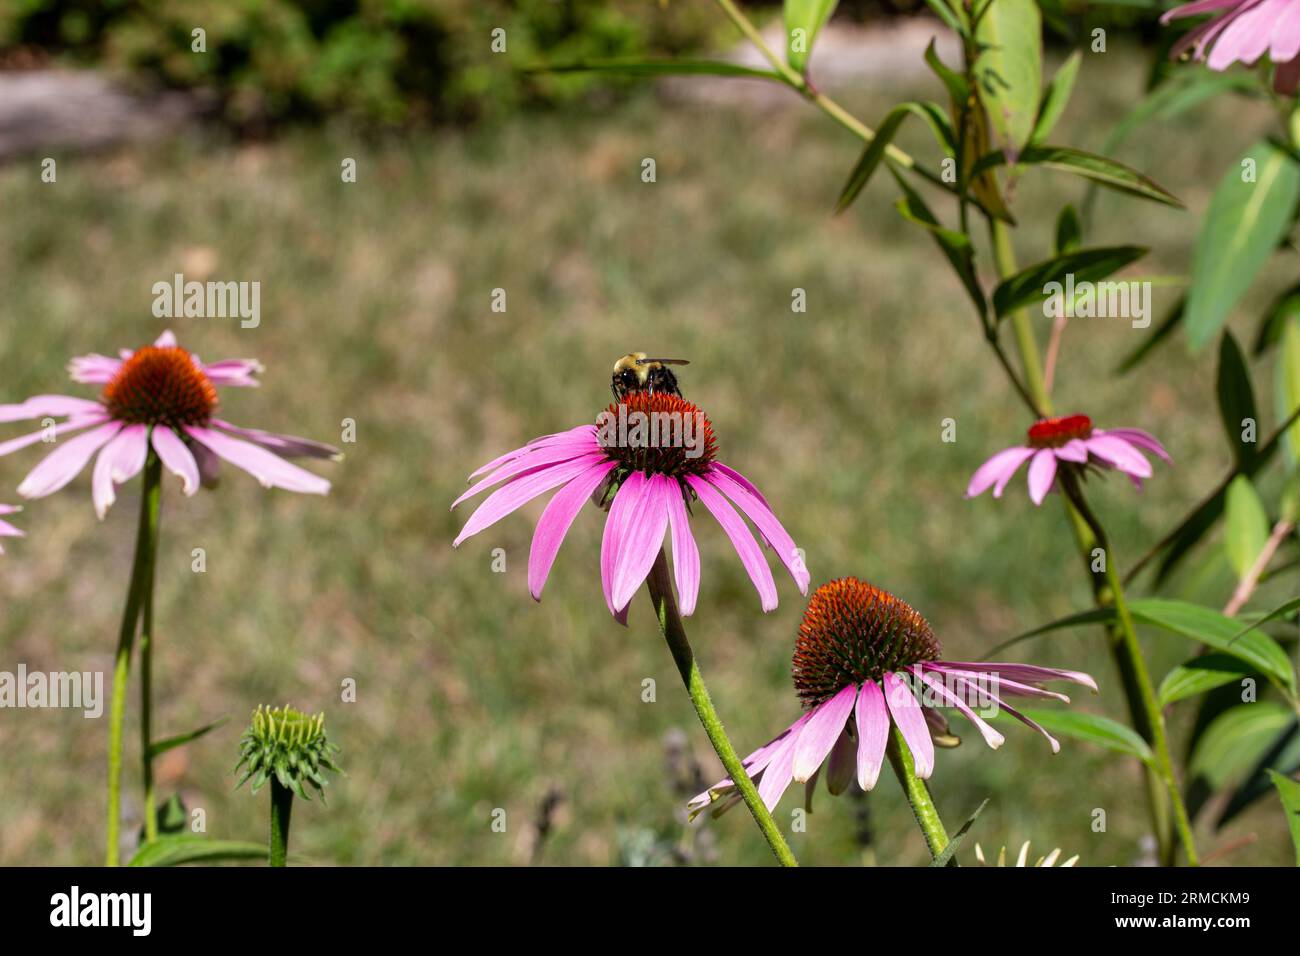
[531,460]
[1042,472]
[237,373]
[176,457]
[270,470]
[750,554]
[873,733]
[555,522]
[686,554]
[56,406]
[766,522]
[94,369]
[776,776]
[1120,454]
[906,711]
[820,733]
[1002,705]
[997,469]
[991,736]
[643,537]
[286,446]
[1029,673]
[108,469]
[1073,450]
[513,496]
[841,765]
[559,438]
[1138,438]
[166,341]
[64,463]
[23,441]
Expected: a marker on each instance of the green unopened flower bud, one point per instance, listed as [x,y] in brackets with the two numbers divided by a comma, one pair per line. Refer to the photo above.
[290,747]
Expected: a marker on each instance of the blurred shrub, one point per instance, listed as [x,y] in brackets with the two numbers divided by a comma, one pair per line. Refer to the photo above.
[377,61]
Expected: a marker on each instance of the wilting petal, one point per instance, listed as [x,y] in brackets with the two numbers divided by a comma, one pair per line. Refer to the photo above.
[997,471]
[820,733]
[759,513]
[686,554]
[176,457]
[209,465]
[555,522]
[873,733]
[1042,472]
[750,554]
[906,711]
[1029,673]
[999,683]
[64,463]
[991,736]
[1002,705]
[270,470]
[841,765]
[286,446]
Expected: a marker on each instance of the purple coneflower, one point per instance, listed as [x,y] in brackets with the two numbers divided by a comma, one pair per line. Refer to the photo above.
[159,396]
[1242,32]
[860,660]
[649,486]
[1071,442]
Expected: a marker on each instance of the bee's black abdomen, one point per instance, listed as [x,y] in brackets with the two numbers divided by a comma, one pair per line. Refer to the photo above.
[663,380]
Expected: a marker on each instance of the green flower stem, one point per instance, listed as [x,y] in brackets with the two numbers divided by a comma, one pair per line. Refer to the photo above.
[918,794]
[1148,716]
[1004,254]
[281,809]
[670,622]
[153,504]
[146,532]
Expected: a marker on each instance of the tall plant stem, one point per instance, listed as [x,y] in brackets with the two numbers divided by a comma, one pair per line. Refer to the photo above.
[146,532]
[670,622]
[281,810]
[1148,717]
[918,794]
[153,504]
[1004,254]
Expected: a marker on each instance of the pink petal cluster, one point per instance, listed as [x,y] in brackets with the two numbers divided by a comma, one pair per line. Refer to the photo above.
[119,445]
[849,731]
[1242,31]
[646,506]
[1071,441]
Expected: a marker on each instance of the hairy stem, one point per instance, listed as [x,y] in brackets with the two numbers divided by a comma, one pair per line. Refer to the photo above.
[153,505]
[670,622]
[918,794]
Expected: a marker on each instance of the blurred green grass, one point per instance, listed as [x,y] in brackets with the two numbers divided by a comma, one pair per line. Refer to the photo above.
[376,307]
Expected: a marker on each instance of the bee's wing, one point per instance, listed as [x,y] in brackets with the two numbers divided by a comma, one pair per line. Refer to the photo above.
[647,361]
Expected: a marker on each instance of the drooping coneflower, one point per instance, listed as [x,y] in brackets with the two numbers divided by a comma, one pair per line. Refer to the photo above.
[1242,31]
[649,474]
[1069,442]
[861,659]
[161,397]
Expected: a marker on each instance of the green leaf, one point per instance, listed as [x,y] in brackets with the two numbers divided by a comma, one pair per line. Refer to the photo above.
[1093,729]
[1236,740]
[1009,68]
[1200,674]
[1027,287]
[807,16]
[1236,398]
[1271,328]
[1242,227]
[1099,169]
[1175,97]
[1069,230]
[934,117]
[947,15]
[188,848]
[1097,615]
[955,83]
[1158,335]
[1277,750]
[1287,388]
[1273,615]
[1247,526]
[633,66]
[1056,97]
[162,746]
[955,246]
[1213,629]
[1289,791]
[955,841]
